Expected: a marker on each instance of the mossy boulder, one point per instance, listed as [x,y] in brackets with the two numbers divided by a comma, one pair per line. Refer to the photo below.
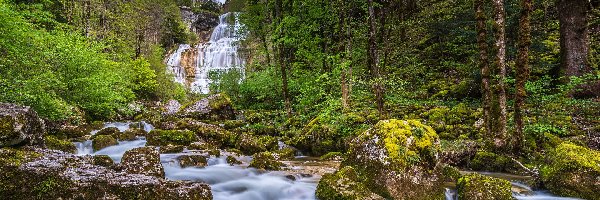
[398,159]
[46,174]
[573,171]
[488,161]
[213,134]
[159,137]
[143,160]
[70,132]
[107,131]
[136,132]
[103,141]
[458,152]
[479,187]
[337,156]
[171,149]
[266,161]
[20,125]
[215,107]
[251,144]
[231,160]
[318,137]
[286,153]
[192,161]
[344,185]
[103,160]
[57,144]
[125,136]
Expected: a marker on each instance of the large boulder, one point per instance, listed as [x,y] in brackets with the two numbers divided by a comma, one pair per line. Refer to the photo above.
[192,161]
[479,187]
[20,125]
[266,161]
[214,107]
[143,160]
[159,137]
[103,141]
[398,159]
[48,174]
[573,171]
[213,134]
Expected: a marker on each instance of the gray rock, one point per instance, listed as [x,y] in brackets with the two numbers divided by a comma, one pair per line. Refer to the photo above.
[20,125]
[214,107]
[143,160]
[171,107]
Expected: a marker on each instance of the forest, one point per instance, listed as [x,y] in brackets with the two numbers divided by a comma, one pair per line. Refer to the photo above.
[300,99]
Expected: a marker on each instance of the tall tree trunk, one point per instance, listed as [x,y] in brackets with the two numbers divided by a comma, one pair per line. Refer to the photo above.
[484,65]
[373,60]
[522,72]
[282,54]
[574,41]
[499,104]
[346,76]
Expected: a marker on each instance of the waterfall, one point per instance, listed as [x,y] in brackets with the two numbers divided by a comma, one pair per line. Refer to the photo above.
[216,57]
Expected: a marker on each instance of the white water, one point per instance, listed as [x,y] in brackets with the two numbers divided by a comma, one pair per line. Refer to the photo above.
[218,56]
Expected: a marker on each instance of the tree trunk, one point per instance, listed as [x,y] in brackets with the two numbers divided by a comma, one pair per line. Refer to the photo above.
[484,66]
[373,60]
[282,54]
[574,42]
[499,104]
[522,72]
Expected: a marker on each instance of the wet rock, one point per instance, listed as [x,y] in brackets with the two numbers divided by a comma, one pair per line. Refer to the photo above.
[103,141]
[192,161]
[136,131]
[127,135]
[344,185]
[159,137]
[103,160]
[20,125]
[57,144]
[200,23]
[70,132]
[107,131]
[231,160]
[398,159]
[573,171]
[171,149]
[200,146]
[287,153]
[251,144]
[215,107]
[47,174]
[143,160]
[266,161]
[171,107]
[479,187]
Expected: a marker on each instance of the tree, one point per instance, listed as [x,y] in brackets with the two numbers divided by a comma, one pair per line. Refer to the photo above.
[522,71]
[484,65]
[373,59]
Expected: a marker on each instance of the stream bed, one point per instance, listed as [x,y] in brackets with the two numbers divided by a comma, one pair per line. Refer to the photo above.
[238,182]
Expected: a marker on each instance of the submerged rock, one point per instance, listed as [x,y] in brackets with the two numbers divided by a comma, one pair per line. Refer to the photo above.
[398,159]
[344,185]
[103,141]
[214,107]
[20,125]
[573,171]
[47,174]
[192,161]
[266,161]
[143,160]
[479,187]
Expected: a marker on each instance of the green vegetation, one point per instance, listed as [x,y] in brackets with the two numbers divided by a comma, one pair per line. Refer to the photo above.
[478,187]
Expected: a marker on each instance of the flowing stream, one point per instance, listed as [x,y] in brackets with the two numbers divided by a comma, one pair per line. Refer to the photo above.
[239,182]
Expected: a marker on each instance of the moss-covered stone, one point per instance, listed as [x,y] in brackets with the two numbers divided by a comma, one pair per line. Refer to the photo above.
[454,122]
[107,131]
[266,161]
[488,161]
[251,144]
[398,159]
[143,160]
[192,161]
[231,160]
[333,156]
[213,134]
[171,149]
[479,187]
[287,153]
[103,160]
[103,141]
[200,146]
[450,173]
[54,143]
[215,107]
[128,135]
[19,126]
[159,137]
[573,171]
[344,185]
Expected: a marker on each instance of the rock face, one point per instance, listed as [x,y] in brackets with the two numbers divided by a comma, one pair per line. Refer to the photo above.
[20,125]
[214,107]
[200,23]
[480,187]
[344,185]
[46,174]
[143,160]
[573,171]
[398,159]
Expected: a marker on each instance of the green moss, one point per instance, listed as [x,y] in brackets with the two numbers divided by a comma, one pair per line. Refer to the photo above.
[16,157]
[54,143]
[159,137]
[233,161]
[50,187]
[488,161]
[479,187]
[286,153]
[171,149]
[192,161]
[107,131]
[103,160]
[343,185]
[572,171]
[103,141]
[7,131]
[219,102]
[128,135]
[451,173]
[266,161]
[333,156]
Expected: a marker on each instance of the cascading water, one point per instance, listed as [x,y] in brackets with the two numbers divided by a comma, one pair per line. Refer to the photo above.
[216,57]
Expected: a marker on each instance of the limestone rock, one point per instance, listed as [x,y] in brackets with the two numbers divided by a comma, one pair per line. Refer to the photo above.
[143,160]
[20,125]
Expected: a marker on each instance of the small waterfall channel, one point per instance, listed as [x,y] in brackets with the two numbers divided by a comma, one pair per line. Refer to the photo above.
[216,57]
